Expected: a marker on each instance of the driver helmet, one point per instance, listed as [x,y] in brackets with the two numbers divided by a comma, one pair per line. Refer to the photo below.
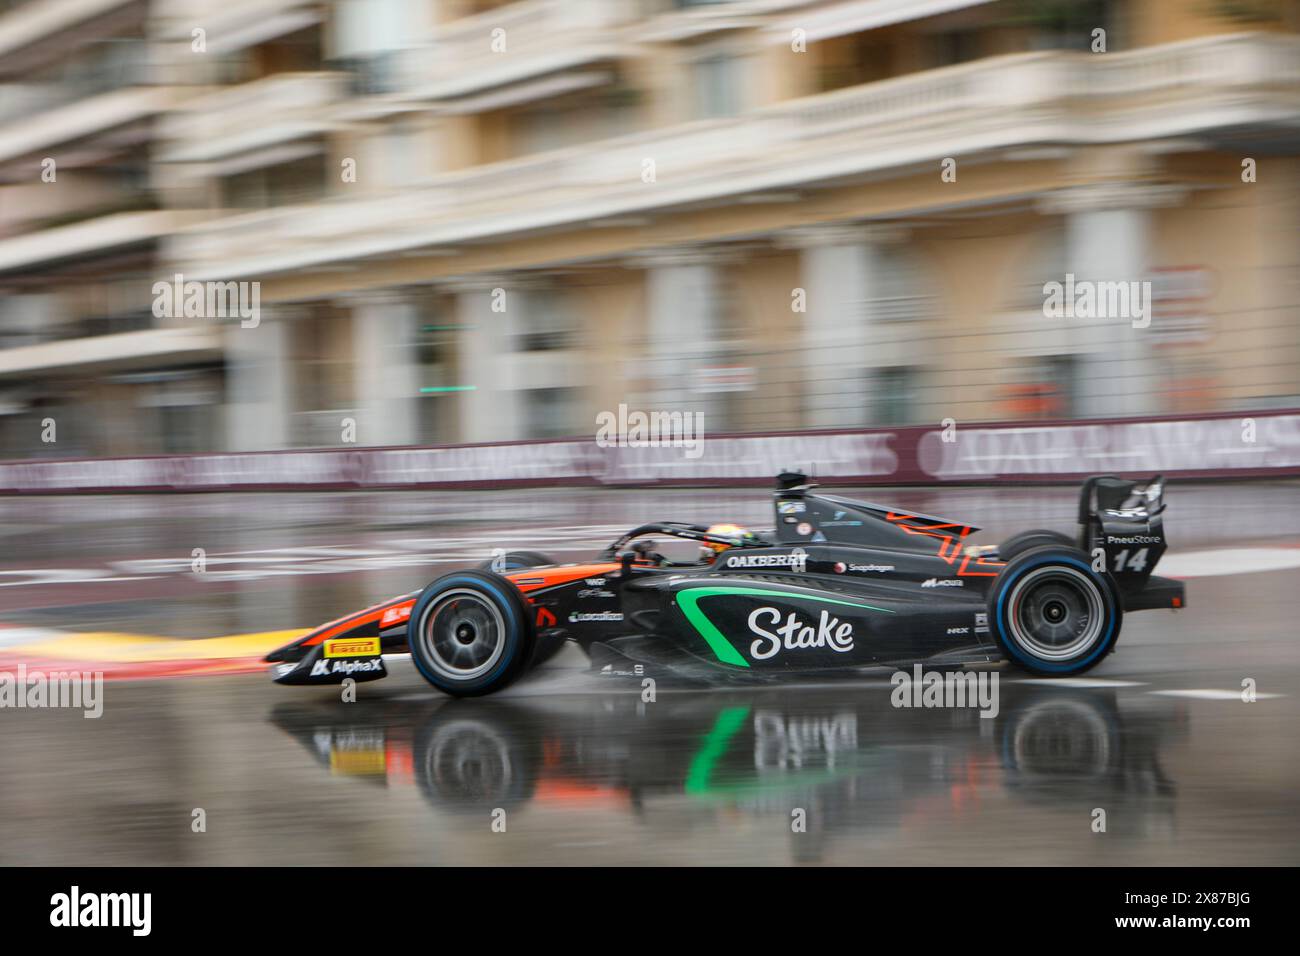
[710,549]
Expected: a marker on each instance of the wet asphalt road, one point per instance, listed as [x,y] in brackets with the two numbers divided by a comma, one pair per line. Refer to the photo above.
[580,769]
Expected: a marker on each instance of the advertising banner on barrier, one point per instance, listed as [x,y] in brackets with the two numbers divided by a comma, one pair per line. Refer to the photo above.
[1259,444]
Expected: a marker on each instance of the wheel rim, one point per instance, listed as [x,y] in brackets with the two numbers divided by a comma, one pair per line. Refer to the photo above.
[1057,613]
[1061,738]
[462,635]
[468,760]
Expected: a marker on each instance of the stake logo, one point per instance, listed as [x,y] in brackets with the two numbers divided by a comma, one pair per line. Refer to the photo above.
[796,634]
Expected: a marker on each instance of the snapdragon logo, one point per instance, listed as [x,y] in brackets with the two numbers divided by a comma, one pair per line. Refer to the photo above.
[35,690]
[637,429]
[950,689]
[1085,299]
[75,909]
[179,299]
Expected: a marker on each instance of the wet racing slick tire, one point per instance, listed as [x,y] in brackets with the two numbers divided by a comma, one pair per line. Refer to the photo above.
[1039,537]
[1052,614]
[547,646]
[470,633]
[518,560]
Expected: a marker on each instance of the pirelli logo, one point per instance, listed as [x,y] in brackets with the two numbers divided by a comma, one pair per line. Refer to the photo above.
[352,647]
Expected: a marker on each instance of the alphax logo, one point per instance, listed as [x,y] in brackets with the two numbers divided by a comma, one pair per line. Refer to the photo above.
[326,668]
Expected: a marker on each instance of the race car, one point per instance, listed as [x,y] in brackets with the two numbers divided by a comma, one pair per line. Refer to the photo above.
[838,585]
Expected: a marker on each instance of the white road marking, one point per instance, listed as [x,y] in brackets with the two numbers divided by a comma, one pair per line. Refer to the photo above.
[1081,682]
[1210,693]
[1200,564]
[13,636]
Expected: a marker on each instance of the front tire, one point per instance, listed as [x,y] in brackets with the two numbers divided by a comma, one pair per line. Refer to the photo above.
[470,633]
[519,560]
[545,647]
[1052,614]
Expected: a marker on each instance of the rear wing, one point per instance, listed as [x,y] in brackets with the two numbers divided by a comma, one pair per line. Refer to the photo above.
[1115,495]
[1121,525]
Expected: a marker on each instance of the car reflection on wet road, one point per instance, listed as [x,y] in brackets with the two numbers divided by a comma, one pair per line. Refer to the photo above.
[856,766]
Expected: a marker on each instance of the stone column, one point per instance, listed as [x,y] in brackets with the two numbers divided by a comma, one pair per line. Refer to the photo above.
[489,408]
[259,382]
[385,368]
[682,299]
[1108,241]
[839,272]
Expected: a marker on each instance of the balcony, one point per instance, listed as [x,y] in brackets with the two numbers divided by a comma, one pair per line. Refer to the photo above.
[60,121]
[89,237]
[541,37]
[116,352]
[1184,89]
[265,112]
[32,22]
[234,25]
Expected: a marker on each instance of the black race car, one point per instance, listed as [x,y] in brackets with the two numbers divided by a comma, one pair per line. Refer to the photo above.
[838,585]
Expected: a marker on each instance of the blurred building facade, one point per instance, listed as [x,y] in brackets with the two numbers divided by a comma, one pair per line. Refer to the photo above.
[489,221]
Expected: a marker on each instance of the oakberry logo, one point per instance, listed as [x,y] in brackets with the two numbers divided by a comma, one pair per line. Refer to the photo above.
[796,560]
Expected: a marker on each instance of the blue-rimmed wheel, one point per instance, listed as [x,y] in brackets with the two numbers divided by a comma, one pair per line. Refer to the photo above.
[470,633]
[517,560]
[1052,613]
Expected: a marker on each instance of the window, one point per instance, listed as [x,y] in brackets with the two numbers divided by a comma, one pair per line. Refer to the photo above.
[1044,262]
[549,320]
[717,86]
[956,46]
[895,397]
[1046,388]
[1065,24]
[903,289]
[549,412]
[286,184]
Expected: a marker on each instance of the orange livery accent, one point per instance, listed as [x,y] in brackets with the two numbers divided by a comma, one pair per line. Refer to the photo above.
[535,579]
[950,537]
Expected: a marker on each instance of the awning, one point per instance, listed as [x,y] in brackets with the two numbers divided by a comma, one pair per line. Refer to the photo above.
[846,18]
[247,24]
[528,92]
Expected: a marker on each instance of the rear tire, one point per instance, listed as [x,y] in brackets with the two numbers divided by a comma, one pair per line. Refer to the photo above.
[470,633]
[1052,614]
[1038,538]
